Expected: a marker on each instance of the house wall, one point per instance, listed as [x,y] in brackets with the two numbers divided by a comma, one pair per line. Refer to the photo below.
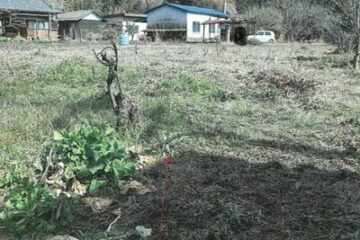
[68,29]
[41,34]
[88,29]
[84,29]
[166,17]
[29,26]
[198,36]
[34,32]
[141,33]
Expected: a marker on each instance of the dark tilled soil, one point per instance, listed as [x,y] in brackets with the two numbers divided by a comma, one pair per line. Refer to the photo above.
[212,197]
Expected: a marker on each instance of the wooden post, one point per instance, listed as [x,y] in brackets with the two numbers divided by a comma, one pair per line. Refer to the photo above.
[204,33]
[228,33]
[219,31]
[49,31]
[37,29]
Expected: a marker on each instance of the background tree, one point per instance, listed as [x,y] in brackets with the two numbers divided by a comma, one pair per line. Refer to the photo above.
[266,17]
[345,29]
[302,20]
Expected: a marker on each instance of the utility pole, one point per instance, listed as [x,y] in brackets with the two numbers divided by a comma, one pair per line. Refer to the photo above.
[228,26]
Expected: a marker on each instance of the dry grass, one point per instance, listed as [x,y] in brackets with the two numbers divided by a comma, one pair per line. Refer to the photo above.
[273,134]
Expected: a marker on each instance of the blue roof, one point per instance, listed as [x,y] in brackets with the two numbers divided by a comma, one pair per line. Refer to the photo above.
[192,9]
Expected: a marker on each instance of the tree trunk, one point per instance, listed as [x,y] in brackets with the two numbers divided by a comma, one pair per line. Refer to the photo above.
[356,55]
[357,40]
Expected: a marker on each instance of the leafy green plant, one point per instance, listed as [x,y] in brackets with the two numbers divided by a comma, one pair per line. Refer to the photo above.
[30,206]
[14,177]
[92,156]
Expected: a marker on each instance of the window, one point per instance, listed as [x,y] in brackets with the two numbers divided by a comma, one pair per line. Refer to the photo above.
[31,24]
[268,33]
[212,28]
[260,33]
[196,27]
[133,28]
[39,25]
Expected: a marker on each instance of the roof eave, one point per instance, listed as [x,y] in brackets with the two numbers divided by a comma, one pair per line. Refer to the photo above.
[80,18]
[183,10]
[29,11]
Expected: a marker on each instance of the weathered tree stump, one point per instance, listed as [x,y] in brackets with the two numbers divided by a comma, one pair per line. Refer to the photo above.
[125,109]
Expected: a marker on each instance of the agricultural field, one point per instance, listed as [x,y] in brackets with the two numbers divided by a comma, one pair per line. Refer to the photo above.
[269,146]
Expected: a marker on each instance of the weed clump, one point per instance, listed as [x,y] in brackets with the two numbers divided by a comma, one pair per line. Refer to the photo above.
[232,220]
[335,62]
[223,95]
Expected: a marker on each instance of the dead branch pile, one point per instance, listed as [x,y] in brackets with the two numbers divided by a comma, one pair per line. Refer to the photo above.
[284,81]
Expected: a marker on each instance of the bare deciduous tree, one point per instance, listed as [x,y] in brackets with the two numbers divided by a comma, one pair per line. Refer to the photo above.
[349,23]
[302,20]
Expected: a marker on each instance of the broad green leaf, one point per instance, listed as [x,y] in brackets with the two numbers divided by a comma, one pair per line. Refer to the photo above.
[107,168]
[109,131]
[96,167]
[122,168]
[69,171]
[58,136]
[95,185]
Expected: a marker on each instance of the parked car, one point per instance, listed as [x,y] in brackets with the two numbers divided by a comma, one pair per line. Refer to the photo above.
[262,36]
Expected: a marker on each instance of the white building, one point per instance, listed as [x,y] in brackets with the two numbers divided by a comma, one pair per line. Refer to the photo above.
[175,21]
[131,23]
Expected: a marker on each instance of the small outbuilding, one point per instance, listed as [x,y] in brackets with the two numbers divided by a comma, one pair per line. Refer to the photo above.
[235,30]
[30,19]
[131,23]
[185,23]
[82,24]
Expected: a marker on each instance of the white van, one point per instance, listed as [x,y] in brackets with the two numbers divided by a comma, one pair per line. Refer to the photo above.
[262,36]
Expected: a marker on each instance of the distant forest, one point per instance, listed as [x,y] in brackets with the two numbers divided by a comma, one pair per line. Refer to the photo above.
[138,6]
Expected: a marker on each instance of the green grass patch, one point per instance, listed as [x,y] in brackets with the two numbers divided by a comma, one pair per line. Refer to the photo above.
[186,85]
